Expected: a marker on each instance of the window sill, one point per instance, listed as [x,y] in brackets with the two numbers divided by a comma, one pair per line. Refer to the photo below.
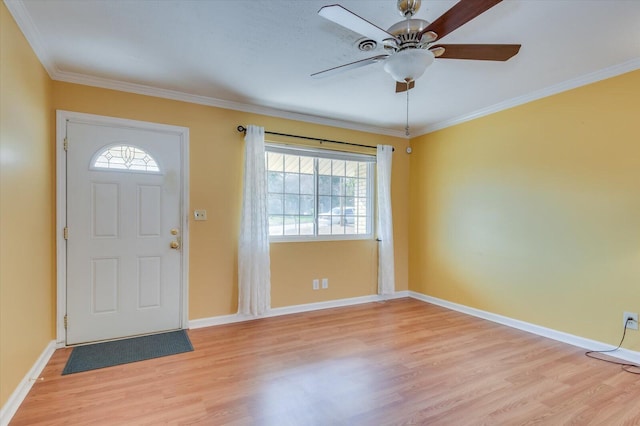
[319,238]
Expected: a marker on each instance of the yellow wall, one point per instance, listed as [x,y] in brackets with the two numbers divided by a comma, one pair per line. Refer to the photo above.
[531,213]
[29,100]
[27,269]
[216,177]
[534,212]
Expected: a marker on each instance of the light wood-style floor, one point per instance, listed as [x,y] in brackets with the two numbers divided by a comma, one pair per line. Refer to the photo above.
[398,362]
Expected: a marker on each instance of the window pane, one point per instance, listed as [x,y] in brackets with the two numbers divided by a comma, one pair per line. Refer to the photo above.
[312,195]
[337,228]
[275,225]
[306,205]
[324,185]
[324,226]
[360,205]
[324,204]
[324,166]
[125,157]
[336,202]
[291,183]
[361,224]
[351,168]
[306,165]
[275,204]
[337,186]
[338,168]
[361,188]
[291,225]
[275,162]
[306,184]
[307,225]
[275,182]
[350,186]
[362,170]
[291,204]
[292,164]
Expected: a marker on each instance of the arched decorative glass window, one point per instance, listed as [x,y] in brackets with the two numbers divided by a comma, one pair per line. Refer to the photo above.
[125,157]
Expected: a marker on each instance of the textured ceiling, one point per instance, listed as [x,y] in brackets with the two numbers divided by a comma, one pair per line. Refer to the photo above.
[258,55]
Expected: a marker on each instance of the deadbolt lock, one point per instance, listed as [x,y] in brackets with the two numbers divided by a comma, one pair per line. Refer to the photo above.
[174,231]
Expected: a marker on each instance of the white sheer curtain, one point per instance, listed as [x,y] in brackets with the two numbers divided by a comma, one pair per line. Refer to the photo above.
[386,276]
[254,276]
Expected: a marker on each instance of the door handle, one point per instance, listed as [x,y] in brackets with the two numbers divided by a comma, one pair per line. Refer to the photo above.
[174,245]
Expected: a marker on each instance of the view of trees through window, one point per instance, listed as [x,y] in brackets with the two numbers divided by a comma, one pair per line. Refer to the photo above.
[311,195]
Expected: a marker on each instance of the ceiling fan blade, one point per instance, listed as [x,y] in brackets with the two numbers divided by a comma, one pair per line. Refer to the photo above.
[353,22]
[481,52]
[461,13]
[349,66]
[402,87]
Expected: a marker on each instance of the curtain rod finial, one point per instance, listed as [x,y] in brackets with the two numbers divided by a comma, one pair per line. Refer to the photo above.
[241,129]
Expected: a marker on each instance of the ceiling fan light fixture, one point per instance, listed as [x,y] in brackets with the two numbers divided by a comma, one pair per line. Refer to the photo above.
[408,65]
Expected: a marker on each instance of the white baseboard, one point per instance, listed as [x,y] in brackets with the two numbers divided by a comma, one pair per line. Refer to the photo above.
[581,342]
[295,309]
[13,403]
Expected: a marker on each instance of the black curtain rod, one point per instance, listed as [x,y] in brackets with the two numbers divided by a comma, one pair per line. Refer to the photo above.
[243,129]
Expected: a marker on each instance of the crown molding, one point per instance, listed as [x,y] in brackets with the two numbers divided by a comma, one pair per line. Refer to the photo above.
[34,38]
[141,89]
[583,80]
[31,33]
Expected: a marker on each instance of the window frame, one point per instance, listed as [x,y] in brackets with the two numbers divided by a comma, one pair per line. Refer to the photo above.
[322,153]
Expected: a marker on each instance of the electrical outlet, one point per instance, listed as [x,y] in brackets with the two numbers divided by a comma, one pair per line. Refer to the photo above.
[316,284]
[631,325]
[325,283]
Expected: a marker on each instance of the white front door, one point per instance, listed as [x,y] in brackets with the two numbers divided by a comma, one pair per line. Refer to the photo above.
[124,201]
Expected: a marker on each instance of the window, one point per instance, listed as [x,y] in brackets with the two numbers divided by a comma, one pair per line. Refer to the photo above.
[125,157]
[318,194]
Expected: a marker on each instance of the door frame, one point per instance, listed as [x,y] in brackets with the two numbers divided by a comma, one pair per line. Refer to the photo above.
[62,117]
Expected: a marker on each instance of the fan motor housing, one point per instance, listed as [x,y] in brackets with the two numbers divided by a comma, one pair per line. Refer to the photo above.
[408,31]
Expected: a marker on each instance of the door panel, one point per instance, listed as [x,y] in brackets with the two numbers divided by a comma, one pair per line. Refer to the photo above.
[105,208]
[150,207]
[149,282]
[104,285]
[123,277]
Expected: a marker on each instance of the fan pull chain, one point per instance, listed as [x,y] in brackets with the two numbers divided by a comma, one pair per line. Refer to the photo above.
[406,129]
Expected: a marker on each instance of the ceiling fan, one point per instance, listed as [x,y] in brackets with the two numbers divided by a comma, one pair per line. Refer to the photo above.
[409,44]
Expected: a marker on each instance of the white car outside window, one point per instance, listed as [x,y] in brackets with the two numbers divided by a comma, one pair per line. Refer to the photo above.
[337,216]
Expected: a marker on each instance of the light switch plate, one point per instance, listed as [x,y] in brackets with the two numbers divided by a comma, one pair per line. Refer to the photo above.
[200,214]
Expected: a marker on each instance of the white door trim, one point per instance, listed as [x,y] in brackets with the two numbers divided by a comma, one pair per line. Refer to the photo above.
[61,206]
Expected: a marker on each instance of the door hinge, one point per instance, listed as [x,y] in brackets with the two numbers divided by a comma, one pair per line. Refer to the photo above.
[65,321]
[65,233]
[66,143]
